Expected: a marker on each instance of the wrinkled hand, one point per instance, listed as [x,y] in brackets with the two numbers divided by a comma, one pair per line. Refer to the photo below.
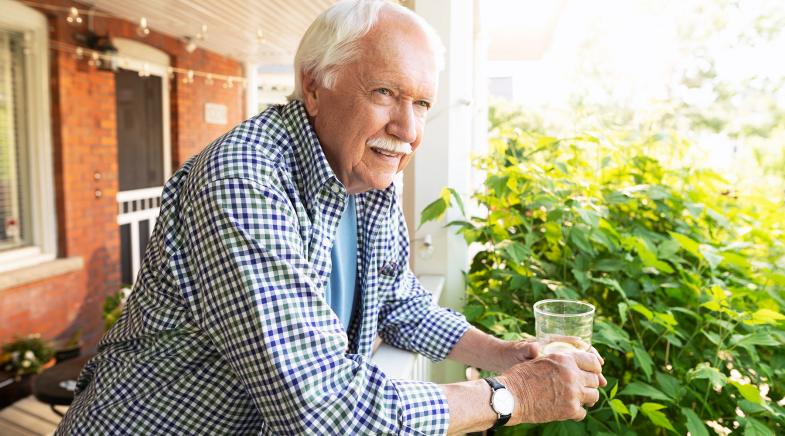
[554,387]
[523,351]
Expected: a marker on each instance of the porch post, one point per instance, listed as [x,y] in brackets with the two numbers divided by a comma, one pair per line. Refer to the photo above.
[443,158]
[251,89]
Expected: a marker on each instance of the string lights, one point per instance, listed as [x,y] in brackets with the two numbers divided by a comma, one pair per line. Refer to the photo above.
[73,17]
[97,59]
[143,30]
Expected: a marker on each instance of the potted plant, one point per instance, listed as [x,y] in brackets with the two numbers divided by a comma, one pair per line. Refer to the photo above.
[19,361]
[113,306]
[70,348]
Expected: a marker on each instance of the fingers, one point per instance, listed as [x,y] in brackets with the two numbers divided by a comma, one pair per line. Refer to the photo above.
[588,362]
[596,353]
[589,396]
[580,413]
[590,379]
[531,350]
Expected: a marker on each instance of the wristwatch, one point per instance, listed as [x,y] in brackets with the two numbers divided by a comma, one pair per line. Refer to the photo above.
[502,402]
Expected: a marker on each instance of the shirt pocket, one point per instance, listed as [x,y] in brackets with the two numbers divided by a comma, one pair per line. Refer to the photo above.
[389,276]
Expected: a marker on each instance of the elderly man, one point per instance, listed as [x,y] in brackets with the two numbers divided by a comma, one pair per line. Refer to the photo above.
[280,254]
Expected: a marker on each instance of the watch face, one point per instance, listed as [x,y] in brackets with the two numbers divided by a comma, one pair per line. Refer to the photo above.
[502,402]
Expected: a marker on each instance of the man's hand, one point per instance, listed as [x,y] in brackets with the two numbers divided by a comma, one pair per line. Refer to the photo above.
[555,387]
[484,351]
[520,351]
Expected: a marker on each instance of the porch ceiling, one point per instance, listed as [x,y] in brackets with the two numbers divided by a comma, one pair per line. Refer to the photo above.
[232,25]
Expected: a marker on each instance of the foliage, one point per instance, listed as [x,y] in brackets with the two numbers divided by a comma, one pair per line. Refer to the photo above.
[26,355]
[113,306]
[688,278]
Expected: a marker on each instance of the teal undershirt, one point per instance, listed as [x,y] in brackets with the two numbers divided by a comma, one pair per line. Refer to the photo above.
[340,287]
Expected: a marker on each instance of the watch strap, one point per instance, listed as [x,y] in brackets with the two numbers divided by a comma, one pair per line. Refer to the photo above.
[501,419]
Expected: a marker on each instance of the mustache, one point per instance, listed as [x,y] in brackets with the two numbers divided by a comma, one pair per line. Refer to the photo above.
[390,145]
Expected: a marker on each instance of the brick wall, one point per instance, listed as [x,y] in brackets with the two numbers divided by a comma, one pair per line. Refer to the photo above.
[85,144]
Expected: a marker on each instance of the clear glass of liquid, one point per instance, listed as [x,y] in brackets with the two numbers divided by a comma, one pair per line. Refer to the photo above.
[563,325]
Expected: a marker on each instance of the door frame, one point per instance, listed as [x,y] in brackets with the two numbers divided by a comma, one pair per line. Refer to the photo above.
[135,56]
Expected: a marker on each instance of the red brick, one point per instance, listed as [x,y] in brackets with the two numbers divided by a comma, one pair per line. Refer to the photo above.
[84,141]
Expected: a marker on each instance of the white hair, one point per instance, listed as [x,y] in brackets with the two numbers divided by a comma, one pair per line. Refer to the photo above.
[332,40]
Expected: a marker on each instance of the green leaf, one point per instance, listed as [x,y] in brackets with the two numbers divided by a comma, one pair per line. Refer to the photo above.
[589,217]
[618,407]
[710,254]
[642,310]
[633,412]
[688,244]
[749,392]
[613,284]
[694,424]
[458,200]
[765,316]
[706,371]
[756,428]
[644,390]
[611,335]
[762,338]
[652,411]
[649,257]
[711,336]
[610,265]
[670,385]
[514,250]
[735,260]
[643,359]
[563,428]
[666,320]
[434,211]
[579,238]
[615,388]
[751,408]
[472,311]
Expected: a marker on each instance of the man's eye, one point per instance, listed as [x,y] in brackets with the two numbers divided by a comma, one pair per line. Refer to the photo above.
[384,91]
[423,103]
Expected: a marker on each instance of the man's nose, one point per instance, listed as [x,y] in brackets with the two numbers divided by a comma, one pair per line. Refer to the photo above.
[403,124]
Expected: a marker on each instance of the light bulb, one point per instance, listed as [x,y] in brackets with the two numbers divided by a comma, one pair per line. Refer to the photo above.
[143,30]
[73,17]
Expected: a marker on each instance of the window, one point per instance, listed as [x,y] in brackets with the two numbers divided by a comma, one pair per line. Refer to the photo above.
[27,214]
[14,200]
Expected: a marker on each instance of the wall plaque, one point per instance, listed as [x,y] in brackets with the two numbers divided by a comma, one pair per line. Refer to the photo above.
[215,113]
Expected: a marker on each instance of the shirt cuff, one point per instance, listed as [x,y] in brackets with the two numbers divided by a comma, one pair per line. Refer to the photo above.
[424,408]
[440,332]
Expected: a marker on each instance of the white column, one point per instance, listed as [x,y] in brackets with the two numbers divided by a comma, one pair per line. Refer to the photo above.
[480,83]
[251,89]
[443,158]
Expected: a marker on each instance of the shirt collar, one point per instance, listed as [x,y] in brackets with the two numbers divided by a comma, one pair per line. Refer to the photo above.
[316,172]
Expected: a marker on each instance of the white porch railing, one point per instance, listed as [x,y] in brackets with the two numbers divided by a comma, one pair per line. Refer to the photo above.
[134,207]
[400,364]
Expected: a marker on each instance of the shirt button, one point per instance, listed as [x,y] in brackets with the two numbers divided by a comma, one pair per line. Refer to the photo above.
[336,188]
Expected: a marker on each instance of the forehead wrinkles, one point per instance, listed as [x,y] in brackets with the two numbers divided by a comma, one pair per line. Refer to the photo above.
[398,50]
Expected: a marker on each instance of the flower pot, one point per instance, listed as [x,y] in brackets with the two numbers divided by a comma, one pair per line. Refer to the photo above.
[67,353]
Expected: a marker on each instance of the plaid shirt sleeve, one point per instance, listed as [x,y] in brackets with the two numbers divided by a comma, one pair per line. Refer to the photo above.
[260,305]
[411,320]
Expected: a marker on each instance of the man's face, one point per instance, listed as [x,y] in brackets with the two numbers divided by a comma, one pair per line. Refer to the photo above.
[384,96]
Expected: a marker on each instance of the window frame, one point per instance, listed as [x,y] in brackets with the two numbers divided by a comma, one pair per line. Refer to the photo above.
[18,17]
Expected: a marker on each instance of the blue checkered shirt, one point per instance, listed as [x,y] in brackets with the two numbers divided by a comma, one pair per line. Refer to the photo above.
[227,330]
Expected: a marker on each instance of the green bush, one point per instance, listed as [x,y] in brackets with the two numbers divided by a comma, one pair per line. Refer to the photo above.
[688,279]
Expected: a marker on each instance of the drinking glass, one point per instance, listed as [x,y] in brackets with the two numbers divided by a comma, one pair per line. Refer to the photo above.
[563,325]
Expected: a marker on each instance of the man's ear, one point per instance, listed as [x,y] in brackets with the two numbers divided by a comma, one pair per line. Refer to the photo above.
[310,95]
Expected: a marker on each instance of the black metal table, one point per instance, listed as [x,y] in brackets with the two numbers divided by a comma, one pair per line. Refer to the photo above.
[55,386]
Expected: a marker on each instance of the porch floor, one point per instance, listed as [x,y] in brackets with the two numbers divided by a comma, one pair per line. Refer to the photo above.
[28,417]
